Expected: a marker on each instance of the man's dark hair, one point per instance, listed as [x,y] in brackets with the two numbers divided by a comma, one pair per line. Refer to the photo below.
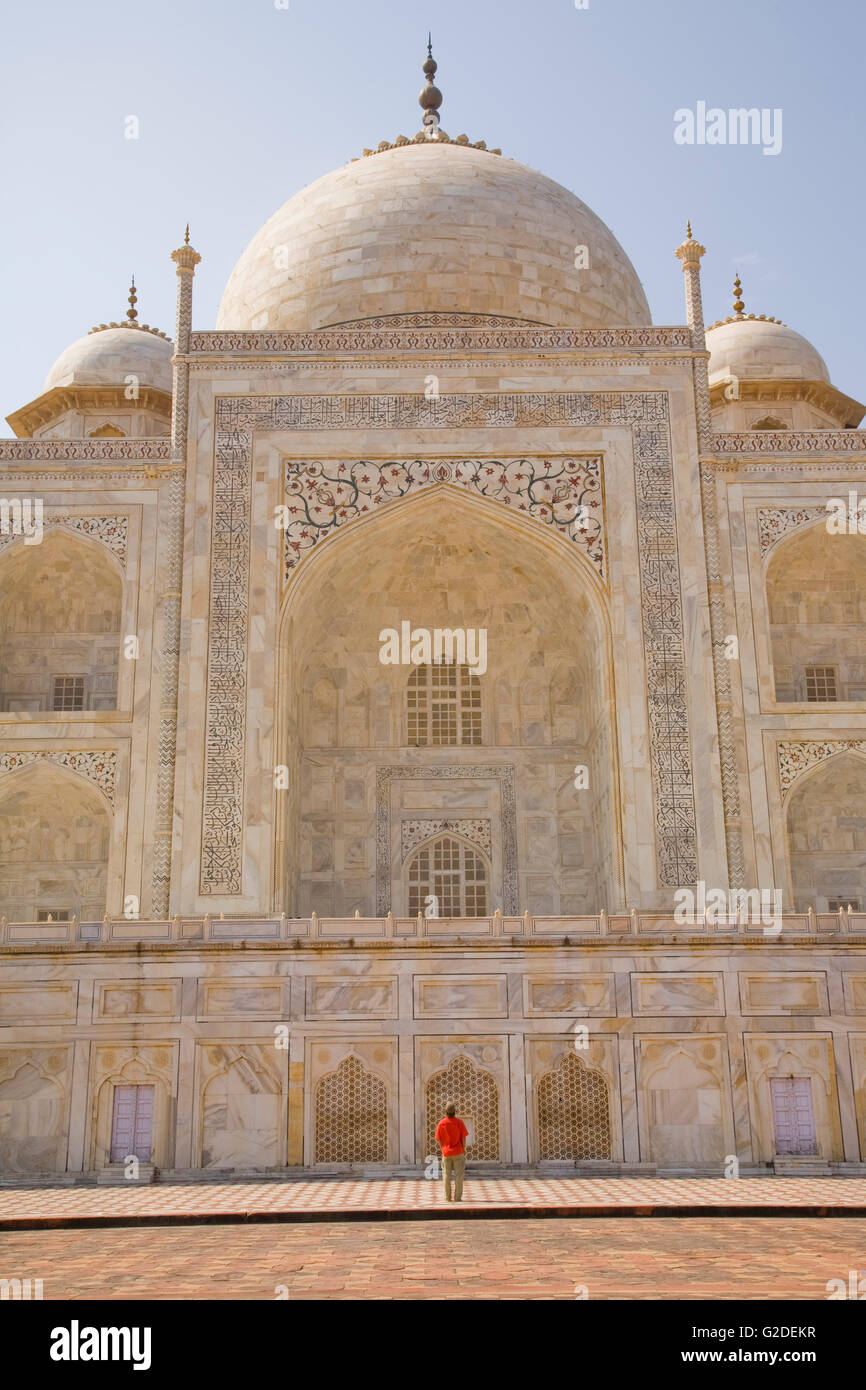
[451,1110]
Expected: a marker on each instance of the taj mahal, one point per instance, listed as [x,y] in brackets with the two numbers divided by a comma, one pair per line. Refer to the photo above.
[268,899]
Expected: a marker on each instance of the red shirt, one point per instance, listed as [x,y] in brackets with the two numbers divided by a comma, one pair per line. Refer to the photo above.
[450,1135]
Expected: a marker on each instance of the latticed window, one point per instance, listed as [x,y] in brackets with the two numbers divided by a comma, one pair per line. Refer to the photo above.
[474,1092]
[443,706]
[454,874]
[351,1116]
[68,693]
[573,1112]
[821,683]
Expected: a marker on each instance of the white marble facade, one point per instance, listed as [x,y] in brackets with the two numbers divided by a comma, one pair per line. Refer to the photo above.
[418,408]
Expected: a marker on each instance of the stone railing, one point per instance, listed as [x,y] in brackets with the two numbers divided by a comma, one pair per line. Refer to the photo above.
[192,931]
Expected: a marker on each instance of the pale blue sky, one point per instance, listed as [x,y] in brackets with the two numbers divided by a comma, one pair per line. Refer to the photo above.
[241,104]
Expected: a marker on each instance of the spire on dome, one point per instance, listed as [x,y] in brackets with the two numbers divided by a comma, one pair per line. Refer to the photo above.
[131,320]
[430,97]
[739,316]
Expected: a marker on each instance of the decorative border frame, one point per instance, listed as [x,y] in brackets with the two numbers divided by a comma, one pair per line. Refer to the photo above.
[152,450]
[502,772]
[787,442]
[240,418]
[434,338]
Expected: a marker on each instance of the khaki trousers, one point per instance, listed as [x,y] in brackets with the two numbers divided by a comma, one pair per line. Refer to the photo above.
[456,1166]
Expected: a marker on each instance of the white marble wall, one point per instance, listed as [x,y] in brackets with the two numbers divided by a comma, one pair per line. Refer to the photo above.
[237,1042]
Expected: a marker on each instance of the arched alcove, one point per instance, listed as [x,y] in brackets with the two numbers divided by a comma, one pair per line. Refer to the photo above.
[826,835]
[55,832]
[240,1118]
[60,620]
[32,1107]
[816,601]
[527,711]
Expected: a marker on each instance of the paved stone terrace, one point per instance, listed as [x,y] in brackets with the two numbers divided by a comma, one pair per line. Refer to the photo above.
[767,1258]
[350,1199]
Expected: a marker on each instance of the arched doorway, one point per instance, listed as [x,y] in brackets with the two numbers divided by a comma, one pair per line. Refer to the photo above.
[510,750]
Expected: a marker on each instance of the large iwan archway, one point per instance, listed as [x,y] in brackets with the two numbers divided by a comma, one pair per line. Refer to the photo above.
[514,754]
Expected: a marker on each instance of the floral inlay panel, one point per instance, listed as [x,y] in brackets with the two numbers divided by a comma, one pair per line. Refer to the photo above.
[561,492]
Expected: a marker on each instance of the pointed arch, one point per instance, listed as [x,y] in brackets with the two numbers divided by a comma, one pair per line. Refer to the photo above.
[452,870]
[32,1113]
[825,833]
[55,839]
[61,610]
[240,1113]
[815,586]
[443,559]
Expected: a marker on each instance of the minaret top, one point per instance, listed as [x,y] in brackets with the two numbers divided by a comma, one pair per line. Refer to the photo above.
[430,97]
[739,306]
[132,312]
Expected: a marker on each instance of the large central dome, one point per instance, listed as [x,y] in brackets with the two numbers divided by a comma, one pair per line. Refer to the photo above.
[433,227]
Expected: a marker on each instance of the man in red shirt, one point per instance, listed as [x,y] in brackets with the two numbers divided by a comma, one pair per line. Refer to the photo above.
[450,1136]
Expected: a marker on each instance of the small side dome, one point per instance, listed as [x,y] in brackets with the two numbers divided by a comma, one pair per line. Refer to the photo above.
[764,376]
[763,349]
[88,391]
[107,356]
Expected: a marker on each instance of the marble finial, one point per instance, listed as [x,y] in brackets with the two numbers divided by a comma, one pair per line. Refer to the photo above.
[430,97]
[739,306]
